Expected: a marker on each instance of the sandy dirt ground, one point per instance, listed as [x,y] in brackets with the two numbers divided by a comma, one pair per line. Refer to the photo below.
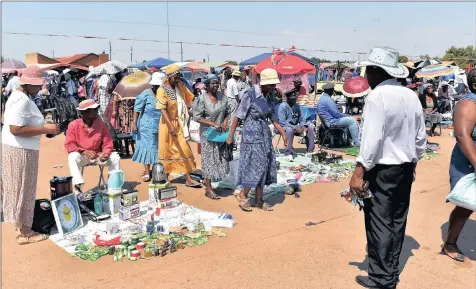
[265,249]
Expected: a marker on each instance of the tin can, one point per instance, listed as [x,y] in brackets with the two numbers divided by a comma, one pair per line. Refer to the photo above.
[130,249]
[134,240]
[122,250]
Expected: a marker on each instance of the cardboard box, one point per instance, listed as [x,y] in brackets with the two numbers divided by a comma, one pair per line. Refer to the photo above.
[111,201]
[131,212]
[129,199]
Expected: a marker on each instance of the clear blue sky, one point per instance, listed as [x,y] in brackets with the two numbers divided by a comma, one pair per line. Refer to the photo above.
[412,28]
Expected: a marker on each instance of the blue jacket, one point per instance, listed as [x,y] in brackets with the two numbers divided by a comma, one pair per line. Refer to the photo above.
[327,110]
[290,116]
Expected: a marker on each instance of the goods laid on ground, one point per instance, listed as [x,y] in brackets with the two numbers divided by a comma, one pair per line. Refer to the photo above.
[133,230]
[303,170]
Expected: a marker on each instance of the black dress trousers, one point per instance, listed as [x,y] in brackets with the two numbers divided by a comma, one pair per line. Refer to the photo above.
[386,219]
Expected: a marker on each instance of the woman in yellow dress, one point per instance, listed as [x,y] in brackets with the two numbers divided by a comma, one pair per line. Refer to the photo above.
[174,100]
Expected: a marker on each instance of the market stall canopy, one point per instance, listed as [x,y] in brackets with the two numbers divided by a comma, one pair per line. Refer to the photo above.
[258,58]
[434,70]
[132,85]
[334,65]
[427,62]
[285,64]
[110,67]
[158,63]
[12,65]
[197,67]
[356,87]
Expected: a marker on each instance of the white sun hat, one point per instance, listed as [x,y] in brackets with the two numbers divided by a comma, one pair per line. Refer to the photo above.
[269,76]
[157,78]
[387,59]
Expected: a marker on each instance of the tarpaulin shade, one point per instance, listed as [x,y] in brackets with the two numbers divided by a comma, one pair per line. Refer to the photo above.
[285,64]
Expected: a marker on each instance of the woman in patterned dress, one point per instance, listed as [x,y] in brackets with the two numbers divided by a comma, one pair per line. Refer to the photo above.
[257,159]
[145,126]
[211,109]
[24,125]
[174,99]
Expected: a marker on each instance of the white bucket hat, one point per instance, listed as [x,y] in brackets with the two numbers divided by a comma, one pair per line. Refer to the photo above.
[387,59]
[269,76]
[157,78]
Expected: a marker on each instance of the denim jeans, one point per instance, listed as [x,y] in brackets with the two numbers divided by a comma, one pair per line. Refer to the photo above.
[353,128]
[290,132]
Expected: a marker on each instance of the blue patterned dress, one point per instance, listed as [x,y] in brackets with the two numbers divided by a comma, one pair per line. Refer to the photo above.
[257,158]
[147,129]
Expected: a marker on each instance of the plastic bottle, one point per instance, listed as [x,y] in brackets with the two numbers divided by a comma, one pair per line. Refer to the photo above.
[98,204]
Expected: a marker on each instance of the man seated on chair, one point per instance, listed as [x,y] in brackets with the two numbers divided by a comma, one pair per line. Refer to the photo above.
[292,120]
[89,142]
[327,110]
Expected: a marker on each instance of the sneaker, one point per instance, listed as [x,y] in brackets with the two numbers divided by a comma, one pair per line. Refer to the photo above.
[290,158]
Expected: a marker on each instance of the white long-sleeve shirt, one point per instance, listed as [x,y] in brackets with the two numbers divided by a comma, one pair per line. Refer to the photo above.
[393,130]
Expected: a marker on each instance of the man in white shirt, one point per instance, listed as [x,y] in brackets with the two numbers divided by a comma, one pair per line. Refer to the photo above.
[232,92]
[393,140]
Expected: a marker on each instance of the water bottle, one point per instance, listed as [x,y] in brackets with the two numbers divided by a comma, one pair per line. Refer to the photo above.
[98,204]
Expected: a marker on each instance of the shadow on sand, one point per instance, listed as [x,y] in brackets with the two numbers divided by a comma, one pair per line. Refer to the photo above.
[409,245]
[467,239]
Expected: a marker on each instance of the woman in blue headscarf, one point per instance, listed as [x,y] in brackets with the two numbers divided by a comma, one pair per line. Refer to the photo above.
[211,109]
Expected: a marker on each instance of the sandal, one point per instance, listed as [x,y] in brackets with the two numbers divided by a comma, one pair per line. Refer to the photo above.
[212,195]
[245,205]
[459,257]
[264,206]
[32,237]
[146,178]
[193,184]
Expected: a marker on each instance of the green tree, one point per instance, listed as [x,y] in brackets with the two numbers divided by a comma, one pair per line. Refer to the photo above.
[462,55]
[319,60]
[402,59]
[232,62]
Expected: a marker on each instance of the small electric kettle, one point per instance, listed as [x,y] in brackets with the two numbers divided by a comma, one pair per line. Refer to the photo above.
[116,179]
[158,173]
[60,186]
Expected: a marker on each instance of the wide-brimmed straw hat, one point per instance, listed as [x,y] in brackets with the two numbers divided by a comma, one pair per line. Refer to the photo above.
[32,75]
[87,104]
[157,78]
[236,73]
[387,59]
[269,76]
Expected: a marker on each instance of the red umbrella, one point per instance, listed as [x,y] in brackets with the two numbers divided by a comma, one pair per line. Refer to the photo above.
[285,64]
[356,87]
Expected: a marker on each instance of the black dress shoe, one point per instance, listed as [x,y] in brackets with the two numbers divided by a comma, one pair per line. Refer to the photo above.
[366,282]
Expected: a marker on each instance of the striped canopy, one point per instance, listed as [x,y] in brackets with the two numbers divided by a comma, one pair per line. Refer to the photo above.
[434,70]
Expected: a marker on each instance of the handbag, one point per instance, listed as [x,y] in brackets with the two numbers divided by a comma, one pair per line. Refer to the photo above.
[226,151]
[464,193]
[213,135]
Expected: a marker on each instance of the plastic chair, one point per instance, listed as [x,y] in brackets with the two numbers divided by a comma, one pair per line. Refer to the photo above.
[120,138]
[330,132]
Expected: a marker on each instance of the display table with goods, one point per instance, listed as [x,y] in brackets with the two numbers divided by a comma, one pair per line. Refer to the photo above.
[133,230]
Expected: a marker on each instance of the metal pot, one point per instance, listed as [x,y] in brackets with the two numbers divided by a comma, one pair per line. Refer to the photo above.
[158,173]
[60,186]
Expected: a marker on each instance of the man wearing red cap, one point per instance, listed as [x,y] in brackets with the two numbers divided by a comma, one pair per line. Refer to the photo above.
[88,140]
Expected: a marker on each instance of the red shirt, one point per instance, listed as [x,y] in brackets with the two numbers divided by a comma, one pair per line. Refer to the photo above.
[96,138]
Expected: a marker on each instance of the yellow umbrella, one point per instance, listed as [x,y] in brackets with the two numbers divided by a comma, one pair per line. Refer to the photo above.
[132,85]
